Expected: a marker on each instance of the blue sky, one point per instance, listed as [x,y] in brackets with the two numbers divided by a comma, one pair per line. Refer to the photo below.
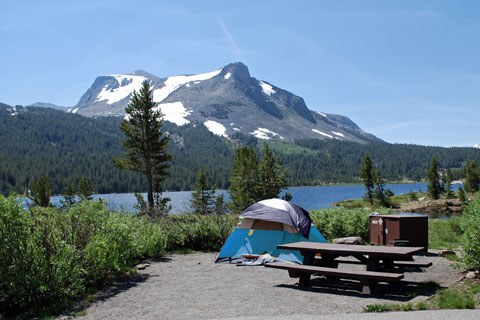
[406,71]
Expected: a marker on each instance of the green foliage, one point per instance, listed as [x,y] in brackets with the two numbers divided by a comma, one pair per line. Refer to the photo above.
[470,224]
[461,195]
[203,197]
[434,188]
[199,233]
[145,144]
[68,196]
[412,196]
[366,173]
[273,177]
[85,189]
[40,192]
[472,181]
[341,222]
[244,181]
[452,299]
[49,257]
[65,147]
[444,234]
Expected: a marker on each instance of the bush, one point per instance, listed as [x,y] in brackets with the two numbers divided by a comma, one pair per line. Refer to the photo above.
[49,257]
[202,233]
[341,222]
[470,225]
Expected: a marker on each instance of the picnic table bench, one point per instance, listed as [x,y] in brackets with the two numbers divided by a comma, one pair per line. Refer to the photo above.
[383,264]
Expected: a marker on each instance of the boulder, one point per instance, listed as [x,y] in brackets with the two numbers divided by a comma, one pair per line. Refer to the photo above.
[471,275]
[348,240]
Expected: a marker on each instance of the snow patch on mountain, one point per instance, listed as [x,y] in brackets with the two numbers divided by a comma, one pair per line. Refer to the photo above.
[322,114]
[173,83]
[216,128]
[174,112]
[477,146]
[265,134]
[267,89]
[322,133]
[228,75]
[338,134]
[74,110]
[127,83]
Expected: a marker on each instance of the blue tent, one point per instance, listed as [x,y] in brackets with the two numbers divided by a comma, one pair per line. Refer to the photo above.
[265,225]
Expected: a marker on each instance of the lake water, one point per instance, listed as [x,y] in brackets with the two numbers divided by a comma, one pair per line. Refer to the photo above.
[306,197]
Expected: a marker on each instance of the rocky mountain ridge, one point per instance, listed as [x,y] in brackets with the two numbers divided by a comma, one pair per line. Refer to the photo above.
[227,101]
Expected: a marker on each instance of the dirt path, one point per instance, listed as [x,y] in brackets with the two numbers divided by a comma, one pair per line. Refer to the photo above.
[194,287]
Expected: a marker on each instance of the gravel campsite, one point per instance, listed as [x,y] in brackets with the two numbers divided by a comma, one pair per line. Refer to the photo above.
[192,286]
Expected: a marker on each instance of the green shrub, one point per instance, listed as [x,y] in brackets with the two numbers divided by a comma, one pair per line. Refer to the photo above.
[341,222]
[451,299]
[49,257]
[470,224]
[200,233]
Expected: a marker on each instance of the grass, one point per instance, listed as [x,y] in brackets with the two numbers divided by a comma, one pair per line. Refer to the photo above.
[464,295]
[443,234]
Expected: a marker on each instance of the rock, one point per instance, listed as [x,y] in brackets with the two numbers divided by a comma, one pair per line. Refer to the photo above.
[477,272]
[471,275]
[143,266]
[444,253]
[348,240]
[421,199]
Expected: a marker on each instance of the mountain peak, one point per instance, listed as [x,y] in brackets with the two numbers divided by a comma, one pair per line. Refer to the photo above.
[237,70]
[145,74]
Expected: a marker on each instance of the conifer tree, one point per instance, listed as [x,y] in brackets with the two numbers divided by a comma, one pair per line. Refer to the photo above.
[434,188]
[380,192]
[472,180]
[40,192]
[68,195]
[366,173]
[203,197]
[85,189]
[448,186]
[273,178]
[145,144]
[244,181]
[220,205]
[461,195]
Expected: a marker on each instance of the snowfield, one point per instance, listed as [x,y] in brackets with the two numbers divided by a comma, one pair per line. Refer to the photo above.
[267,89]
[322,133]
[263,133]
[216,128]
[174,112]
[127,83]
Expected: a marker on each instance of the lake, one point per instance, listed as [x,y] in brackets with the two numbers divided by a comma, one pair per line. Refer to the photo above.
[307,197]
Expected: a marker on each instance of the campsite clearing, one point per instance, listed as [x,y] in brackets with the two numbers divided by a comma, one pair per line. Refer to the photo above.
[193,286]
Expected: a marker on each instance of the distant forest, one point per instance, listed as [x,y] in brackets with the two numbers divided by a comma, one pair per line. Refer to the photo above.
[64,147]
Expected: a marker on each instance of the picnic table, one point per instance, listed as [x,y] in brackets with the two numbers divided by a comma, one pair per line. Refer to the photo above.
[382,263]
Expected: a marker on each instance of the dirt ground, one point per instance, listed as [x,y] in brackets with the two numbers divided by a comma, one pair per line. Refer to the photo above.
[192,286]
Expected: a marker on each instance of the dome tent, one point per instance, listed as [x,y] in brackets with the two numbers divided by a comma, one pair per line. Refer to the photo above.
[266,224]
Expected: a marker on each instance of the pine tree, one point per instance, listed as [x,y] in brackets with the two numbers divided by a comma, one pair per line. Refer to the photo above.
[40,192]
[434,188]
[472,180]
[203,196]
[366,173]
[220,205]
[68,196]
[461,195]
[145,143]
[244,181]
[85,189]
[380,192]
[448,186]
[273,178]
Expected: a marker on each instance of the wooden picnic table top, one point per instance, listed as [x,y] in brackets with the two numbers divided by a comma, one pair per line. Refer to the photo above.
[349,249]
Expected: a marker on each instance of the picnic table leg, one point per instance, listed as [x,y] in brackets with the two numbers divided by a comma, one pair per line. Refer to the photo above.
[373,263]
[308,259]
[368,286]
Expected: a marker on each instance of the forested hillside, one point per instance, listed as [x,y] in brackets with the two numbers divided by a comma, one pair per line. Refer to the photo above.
[64,147]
